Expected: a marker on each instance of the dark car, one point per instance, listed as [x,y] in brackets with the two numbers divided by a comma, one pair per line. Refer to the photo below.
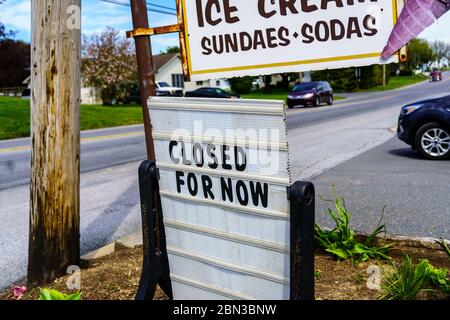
[210,93]
[425,126]
[436,75]
[310,94]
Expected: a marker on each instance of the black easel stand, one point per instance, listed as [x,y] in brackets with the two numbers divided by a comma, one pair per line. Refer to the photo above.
[155,267]
[302,200]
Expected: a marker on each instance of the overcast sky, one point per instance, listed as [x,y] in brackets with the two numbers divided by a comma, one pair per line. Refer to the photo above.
[15,14]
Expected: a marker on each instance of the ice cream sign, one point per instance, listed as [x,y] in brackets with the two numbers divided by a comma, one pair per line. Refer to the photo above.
[228,38]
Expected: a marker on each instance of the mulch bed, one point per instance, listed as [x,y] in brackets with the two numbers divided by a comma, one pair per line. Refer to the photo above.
[116,277]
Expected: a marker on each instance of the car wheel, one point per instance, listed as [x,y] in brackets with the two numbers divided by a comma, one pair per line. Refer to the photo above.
[433,141]
[317,102]
[330,100]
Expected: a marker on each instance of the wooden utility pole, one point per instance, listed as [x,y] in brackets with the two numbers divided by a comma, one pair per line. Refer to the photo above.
[54,241]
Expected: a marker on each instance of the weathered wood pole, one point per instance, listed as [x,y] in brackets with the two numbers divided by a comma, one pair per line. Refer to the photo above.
[54,241]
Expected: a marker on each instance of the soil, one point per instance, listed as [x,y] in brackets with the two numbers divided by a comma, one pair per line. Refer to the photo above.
[116,277]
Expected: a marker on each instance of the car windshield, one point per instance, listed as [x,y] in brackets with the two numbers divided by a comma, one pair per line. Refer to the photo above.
[305,87]
[163,84]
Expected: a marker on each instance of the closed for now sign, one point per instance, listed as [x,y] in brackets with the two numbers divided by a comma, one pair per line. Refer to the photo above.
[228,38]
[224,195]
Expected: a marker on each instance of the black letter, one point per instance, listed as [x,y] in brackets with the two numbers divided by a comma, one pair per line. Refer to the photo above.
[201,23]
[180,182]
[353,27]
[228,11]
[240,151]
[206,44]
[207,186]
[227,189]
[307,28]
[192,189]
[262,10]
[367,20]
[171,145]
[308,8]
[324,6]
[225,158]
[208,14]
[257,192]
[240,185]
[210,149]
[196,149]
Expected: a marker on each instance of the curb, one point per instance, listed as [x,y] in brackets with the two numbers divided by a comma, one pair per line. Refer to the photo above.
[401,242]
[130,241]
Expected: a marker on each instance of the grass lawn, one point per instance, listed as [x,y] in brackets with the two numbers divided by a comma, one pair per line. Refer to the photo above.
[15,117]
[398,82]
[273,95]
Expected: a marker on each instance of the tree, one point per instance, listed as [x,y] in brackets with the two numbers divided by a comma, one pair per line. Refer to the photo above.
[419,53]
[3,32]
[173,49]
[109,64]
[441,50]
[14,62]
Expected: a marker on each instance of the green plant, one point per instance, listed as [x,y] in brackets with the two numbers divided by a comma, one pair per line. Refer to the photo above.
[409,279]
[50,294]
[341,240]
[444,246]
[406,281]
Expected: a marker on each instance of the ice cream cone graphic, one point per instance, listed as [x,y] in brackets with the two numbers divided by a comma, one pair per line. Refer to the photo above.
[416,16]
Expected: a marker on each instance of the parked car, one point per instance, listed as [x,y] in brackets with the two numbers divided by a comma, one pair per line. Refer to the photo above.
[310,94]
[26,94]
[435,75]
[164,89]
[425,126]
[211,93]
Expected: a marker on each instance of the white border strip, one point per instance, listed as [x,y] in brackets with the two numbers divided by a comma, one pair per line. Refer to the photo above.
[280,146]
[228,266]
[209,288]
[227,174]
[219,108]
[253,211]
[270,246]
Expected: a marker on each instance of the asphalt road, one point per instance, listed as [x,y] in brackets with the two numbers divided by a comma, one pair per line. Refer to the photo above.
[320,139]
[415,192]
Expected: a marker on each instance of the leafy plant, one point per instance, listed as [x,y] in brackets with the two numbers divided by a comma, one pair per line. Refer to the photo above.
[409,279]
[341,240]
[50,294]
[444,246]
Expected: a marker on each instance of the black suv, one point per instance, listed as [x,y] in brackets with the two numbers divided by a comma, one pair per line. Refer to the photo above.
[310,94]
[425,126]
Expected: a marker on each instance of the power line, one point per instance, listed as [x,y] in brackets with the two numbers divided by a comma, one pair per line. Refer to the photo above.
[149,9]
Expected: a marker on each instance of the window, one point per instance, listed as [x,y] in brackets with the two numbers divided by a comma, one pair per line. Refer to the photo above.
[217,83]
[199,83]
[178,80]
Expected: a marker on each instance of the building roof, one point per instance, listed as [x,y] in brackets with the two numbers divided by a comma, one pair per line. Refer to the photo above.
[160,60]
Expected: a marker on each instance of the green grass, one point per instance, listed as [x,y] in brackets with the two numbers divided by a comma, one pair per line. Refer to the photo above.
[15,117]
[398,82]
[273,95]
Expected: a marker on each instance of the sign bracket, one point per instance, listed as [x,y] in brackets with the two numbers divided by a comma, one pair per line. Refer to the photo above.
[155,266]
[174,28]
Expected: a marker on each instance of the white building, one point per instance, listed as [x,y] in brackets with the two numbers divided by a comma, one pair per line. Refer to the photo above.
[168,68]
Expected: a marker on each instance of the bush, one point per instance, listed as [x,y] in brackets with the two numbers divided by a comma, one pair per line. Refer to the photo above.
[241,85]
